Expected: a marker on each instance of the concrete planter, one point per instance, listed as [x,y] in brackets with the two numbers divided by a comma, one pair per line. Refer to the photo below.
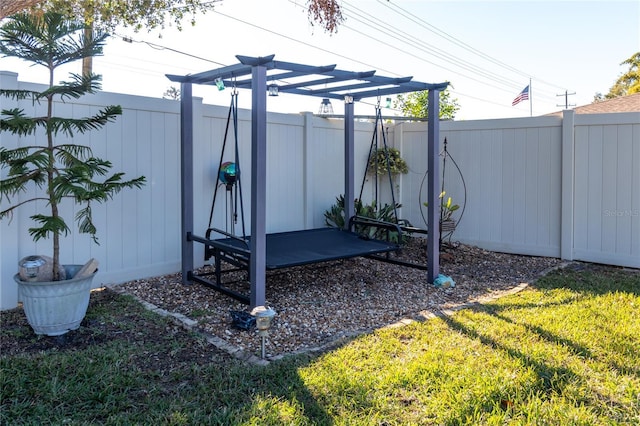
[56,307]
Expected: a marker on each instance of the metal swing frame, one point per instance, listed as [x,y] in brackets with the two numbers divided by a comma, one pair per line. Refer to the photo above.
[319,81]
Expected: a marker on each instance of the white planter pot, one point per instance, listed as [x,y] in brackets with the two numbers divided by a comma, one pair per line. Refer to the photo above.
[56,307]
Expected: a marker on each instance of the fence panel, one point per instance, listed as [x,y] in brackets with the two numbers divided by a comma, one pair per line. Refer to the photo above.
[503,173]
[607,189]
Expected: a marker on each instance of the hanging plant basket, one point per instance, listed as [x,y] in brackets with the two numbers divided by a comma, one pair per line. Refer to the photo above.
[384,160]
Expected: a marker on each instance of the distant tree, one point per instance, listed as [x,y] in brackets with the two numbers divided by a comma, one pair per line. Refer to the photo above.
[172,93]
[416,104]
[137,14]
[327,13]
[627,84]
[153,14]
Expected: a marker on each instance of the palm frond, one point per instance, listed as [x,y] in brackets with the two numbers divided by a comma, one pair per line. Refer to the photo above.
[49,225]
[15,121]
[20,95]
[69,126]
[49,39]
[85,223]
[78,86]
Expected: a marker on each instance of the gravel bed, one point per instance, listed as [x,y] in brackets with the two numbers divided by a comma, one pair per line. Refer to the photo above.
[320,305]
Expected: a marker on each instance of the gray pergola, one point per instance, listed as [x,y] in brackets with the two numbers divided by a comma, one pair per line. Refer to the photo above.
[260,74]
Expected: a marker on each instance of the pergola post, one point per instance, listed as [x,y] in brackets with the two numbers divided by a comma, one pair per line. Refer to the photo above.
[433,184]
[257,267]
[186,178]
[349,161]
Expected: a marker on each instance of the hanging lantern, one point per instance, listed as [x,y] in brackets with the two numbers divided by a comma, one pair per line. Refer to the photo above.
[325,107]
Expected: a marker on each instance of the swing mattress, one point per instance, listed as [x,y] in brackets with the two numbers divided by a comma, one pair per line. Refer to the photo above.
[295,248]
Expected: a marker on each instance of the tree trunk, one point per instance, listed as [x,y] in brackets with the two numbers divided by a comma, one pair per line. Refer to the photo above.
[8,8]
[87,62]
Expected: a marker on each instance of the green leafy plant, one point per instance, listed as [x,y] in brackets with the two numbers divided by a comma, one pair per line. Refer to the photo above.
[447,208]
[335,217]
[385,160]
[65,170]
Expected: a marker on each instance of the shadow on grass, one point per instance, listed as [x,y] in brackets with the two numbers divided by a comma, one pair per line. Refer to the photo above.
[126,365]
[589,284]
[587,278]
[585,281]
[552,378]
[282,397]
[574,347]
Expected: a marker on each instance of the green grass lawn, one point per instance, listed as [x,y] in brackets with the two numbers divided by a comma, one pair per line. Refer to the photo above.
[563,352]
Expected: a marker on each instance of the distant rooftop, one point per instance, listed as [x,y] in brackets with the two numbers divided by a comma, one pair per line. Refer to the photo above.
[629,103]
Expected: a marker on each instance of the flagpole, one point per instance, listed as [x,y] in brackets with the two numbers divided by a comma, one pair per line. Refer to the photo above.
[530,99]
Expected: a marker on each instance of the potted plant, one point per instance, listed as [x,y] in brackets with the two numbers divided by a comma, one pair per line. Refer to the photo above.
[387,160]
[447,222]
[58,172]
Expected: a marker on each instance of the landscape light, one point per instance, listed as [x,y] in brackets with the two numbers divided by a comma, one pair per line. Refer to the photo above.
[31,266]
[264,316]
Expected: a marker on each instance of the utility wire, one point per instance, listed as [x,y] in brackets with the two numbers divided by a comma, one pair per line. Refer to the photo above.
[160,47]
[452,39]
[401,36]
[429,49]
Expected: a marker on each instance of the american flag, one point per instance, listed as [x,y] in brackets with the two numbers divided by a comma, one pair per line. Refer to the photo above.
[522,96]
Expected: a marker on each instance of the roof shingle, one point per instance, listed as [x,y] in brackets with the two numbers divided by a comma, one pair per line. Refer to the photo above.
[629,103]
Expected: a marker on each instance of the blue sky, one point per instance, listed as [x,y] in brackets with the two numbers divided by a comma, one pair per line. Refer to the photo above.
[488,50]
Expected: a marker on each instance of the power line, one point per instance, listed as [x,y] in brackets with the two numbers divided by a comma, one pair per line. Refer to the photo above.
[457,41]
[429,49]
[398,35]
[566,99]
[160,47]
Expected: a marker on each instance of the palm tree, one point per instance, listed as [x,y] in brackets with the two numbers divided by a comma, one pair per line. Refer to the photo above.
[63,171]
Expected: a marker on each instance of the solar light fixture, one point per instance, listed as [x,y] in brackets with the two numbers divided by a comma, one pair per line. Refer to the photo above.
[264,316]
[273,90]
[325,107]
[219,83]
[388,102]
[31,266]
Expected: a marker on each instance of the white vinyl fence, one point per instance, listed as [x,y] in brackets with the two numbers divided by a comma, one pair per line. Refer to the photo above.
[562,187]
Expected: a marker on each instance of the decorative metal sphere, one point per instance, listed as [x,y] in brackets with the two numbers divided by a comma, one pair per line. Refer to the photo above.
[227,173]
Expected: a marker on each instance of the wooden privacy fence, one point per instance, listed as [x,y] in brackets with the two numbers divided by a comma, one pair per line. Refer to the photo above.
[552,186]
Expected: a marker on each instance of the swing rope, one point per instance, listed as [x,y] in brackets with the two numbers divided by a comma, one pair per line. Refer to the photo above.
[232,116]
[375,144]
[238,180]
